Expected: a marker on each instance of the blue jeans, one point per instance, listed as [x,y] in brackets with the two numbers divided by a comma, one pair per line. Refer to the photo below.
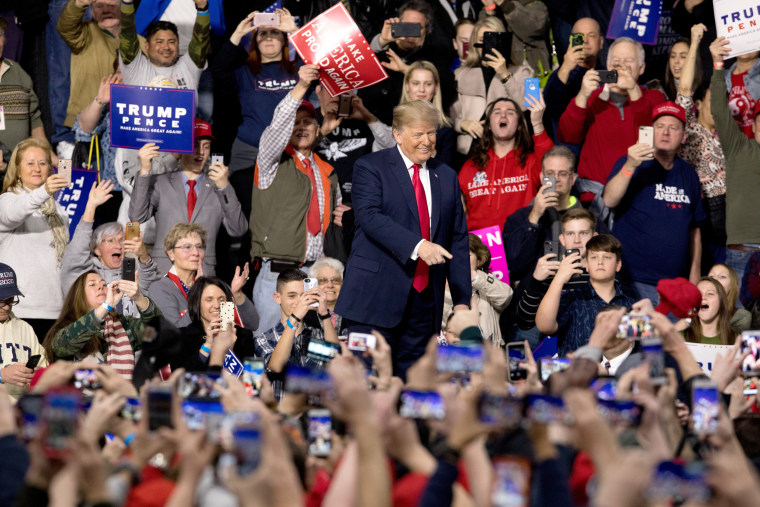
[263,297]
[59,68]
[647,291]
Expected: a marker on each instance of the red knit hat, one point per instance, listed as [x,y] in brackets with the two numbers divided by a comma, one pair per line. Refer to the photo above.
[669,108]
[678,295]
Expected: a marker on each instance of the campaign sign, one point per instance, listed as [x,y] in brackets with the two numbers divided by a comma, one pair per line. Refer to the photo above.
[74,198]
[334,42]
[232,364]
[637,19]
[705,354]
[739,22]
[491,237]
[146,114]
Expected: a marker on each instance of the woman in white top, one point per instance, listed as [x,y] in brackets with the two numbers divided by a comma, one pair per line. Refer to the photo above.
[34,231]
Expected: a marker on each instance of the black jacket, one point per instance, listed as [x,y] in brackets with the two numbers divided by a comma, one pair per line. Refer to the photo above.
[193,336]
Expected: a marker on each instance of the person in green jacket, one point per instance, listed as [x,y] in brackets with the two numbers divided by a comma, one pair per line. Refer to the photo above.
[89,326]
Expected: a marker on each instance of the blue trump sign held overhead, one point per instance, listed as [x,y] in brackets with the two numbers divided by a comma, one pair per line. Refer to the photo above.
[145,114]
[637,19]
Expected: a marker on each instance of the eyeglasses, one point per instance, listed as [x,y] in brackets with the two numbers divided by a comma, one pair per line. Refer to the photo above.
[189,248]
[335,281]
[114,241]
[562,174]
[9,302]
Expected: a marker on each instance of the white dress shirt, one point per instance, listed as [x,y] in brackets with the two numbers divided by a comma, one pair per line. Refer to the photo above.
[425,180]
[615,362]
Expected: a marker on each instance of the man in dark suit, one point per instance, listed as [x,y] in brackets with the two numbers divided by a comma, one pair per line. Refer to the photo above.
[411,236]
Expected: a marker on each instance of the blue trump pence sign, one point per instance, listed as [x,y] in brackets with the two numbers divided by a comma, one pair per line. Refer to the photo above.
[145,114]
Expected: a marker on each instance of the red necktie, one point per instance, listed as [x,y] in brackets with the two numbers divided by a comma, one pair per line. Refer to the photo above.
[422,271]
[313,223]
[192,197]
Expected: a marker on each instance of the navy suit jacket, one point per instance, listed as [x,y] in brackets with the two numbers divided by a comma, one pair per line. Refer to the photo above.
[379,272]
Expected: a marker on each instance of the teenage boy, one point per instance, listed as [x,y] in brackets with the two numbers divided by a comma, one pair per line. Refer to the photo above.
[287,342]
[572,315]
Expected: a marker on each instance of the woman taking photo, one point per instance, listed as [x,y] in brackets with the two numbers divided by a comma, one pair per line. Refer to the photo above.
[204,343]
[421,82]
[89,327]
[184,245]
[34,231]
[260,77]
[481,80]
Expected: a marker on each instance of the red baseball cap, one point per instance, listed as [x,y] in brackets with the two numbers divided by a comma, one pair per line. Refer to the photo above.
[309,107]
[678,295]
[202,129]
[669,108]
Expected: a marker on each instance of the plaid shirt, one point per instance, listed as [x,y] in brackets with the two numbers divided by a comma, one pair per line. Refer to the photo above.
[265,343]
[273,142]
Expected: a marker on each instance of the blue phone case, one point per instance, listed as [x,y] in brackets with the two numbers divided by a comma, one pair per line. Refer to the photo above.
[532,89]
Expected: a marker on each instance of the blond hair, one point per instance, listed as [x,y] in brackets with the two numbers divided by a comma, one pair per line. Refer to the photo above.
[425,65]
[183,230]
[415,111]
[494,25]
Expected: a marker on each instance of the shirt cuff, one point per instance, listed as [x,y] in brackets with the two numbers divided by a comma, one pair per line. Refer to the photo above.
[415,253]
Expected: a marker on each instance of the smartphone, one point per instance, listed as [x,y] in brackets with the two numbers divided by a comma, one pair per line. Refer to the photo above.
[30,408]
[620,413]
[320,432]
[304,380]
[199,385]
[571,251]
[227,314]
[344,105]
[501,411]
[653,352]
[532,89]
[460,358]
[308,284]
[128,269]
[545,409]
[511,481]
[33,361]
[60,421]
[635,327]
[608,76]
[131,411]
[497,41]
[550,365]
[605,388]
[266,19]
[577,39]
[684,481]
[217,158]
[247,445]
[253,371]
[406,30]
[751,344]
[750,387]
[705,407]
[64,169]
[159,406]
[361,341]
[86,379]
[646,136]
[515,356]
[550,180]
[203,414]
[322,350]
[421,405]
[552,247]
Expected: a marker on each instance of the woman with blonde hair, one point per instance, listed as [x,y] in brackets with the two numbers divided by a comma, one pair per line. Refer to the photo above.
[421,82]
[483,79]
[34,231]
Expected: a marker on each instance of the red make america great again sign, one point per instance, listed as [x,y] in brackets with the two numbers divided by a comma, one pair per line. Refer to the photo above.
[334,42]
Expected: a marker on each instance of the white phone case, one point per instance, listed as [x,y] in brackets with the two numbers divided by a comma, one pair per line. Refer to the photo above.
[227,314]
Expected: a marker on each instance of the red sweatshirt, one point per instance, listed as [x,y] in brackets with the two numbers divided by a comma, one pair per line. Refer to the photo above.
[605,133]
[504,187]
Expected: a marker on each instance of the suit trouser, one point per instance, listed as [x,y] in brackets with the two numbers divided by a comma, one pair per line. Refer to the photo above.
[410,337]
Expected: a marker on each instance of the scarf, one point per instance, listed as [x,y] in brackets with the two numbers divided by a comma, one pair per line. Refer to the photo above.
[119,355]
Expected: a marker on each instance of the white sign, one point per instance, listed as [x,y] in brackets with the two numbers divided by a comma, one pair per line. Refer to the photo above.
[739,22]
[705,354]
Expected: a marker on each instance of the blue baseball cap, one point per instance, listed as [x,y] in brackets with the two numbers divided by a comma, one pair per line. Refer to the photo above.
[8,285]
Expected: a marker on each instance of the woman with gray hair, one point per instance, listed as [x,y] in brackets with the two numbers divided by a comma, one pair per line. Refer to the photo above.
[329,275]
[104,249]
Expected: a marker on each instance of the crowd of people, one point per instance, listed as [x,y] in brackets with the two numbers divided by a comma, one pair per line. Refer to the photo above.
[305,310]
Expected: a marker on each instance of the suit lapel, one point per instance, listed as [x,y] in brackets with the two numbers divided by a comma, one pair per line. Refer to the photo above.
[401,173]
[435,193]
[203,190]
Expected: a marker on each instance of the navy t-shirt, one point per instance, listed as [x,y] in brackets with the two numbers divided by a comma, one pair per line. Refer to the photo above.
[655,217]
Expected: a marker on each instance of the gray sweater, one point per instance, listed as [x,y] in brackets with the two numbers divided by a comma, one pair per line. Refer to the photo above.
[78,259]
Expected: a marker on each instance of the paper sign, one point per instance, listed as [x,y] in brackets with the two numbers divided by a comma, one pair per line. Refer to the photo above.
[146,114]
[637,19]
[232,364]
[334,42]
[74,197]
[739,22]
[705,354]
[491,237]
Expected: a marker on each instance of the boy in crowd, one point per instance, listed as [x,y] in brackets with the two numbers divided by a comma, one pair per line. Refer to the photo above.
[572,314]
[287,342]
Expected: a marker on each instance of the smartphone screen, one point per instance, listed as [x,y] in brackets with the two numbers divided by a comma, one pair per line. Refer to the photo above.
[545,409]
[247,439]
[160,407]
[253,371]
[511,485]
[705,407]
[620,413]
[751,344]
[199,385]
[86,379]
[304,380]
[361,341]
[516,355]
[202,414]
[421,405]
[501,411]
[320,432]
[552,365]
[460,358]
[605,388]
[60,414]
[532,89]
[635,327]
[406,30]
[322,350]
[653,352]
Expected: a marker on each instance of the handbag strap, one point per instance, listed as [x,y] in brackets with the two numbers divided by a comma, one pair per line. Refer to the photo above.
[94,142]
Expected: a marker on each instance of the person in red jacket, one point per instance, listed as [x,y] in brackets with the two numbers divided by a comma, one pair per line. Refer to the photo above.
[504,172]
[607,119]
